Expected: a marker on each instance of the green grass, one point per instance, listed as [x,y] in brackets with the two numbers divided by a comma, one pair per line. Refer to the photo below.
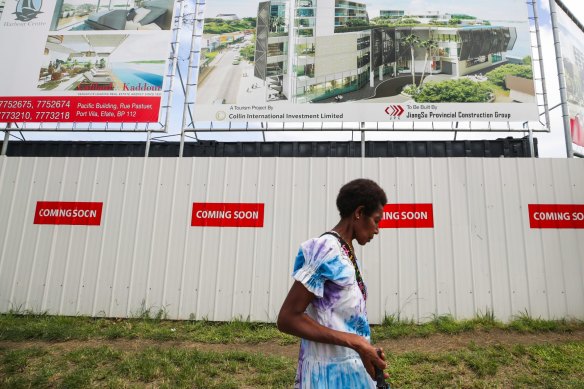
[498,90]
[25,363]
[211,55]
[61,328]
[154,367]
[393,328]
[153,326]
[541,366]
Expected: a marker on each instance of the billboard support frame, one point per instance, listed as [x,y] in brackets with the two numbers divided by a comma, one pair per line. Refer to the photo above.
[6,139]
[542,76]
[562,80]
[147,148]
[198,21]
[174,52]
[174,45]
[224,127]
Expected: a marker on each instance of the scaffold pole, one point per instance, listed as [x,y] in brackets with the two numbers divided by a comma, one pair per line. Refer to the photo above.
[562,79]
[6,139]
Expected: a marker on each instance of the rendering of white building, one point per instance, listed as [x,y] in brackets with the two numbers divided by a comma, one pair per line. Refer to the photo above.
[391,14]
[428,17]
[314,50]
[227,17]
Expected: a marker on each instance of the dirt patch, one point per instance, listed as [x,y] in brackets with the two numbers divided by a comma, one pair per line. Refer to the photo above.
[135,345]
[432,344]
[442,343]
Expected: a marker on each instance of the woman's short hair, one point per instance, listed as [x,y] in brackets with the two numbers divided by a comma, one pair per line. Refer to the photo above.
[361,191]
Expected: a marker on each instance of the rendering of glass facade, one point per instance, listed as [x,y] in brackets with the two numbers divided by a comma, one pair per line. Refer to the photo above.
[350,12]
[391,14]
[315,73]
[478,42]
[303,57]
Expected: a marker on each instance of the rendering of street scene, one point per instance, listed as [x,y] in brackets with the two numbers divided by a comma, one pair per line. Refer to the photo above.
[103,63]
[227,71]
[335,51]
[80,15]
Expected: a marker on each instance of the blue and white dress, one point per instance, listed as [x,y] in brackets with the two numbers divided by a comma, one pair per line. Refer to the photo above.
[324,268]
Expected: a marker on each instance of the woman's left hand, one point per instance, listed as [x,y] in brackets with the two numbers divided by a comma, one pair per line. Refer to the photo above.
[369,356]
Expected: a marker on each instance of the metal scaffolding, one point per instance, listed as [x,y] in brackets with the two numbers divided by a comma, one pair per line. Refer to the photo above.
[191,125]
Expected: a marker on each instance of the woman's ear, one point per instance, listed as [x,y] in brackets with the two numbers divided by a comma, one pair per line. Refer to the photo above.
[359,212]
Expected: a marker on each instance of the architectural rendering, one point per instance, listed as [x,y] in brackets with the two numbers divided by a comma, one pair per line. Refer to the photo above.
[318,50]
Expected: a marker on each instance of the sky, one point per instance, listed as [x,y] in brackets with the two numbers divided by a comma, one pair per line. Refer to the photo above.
[551,145]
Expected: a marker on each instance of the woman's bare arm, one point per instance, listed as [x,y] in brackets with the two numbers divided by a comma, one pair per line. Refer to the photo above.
[292,320]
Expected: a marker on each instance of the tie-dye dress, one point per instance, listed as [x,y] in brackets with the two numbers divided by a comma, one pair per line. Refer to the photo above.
[324,268]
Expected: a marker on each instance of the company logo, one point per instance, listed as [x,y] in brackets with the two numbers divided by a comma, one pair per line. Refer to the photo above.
[220,115]
[395,110]
[26,10]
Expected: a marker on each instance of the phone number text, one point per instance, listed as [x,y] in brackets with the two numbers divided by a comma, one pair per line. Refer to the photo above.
[38,104]
[38,115]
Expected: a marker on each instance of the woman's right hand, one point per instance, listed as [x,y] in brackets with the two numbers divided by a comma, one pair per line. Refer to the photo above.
[293,320]
[368,355]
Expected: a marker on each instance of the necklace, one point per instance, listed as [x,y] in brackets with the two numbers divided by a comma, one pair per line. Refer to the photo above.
[351,254]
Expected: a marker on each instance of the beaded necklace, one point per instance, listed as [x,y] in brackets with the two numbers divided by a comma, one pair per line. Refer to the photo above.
[351,254]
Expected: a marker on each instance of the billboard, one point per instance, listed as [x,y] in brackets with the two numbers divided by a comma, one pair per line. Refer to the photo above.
[84,60]
[340,61]
[572,45]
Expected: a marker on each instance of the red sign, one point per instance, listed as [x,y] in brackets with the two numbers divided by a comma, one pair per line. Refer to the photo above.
[556,216]
[577,130]
[99,109]
[407,216]
[68,213]
[227,215]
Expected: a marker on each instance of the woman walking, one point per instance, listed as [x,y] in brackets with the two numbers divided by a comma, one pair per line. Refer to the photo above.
[326,304]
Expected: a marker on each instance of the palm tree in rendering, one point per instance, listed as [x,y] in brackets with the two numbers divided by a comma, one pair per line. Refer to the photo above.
[430,45]
[412,41]
[276,22]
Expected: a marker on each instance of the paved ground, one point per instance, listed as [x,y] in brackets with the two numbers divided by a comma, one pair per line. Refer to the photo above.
[384,91]
[222,83]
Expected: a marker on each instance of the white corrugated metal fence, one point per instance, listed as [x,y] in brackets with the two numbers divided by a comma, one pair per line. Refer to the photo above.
[480,256]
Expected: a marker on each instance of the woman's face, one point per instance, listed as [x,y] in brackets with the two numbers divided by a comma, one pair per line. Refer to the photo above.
[366,227]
